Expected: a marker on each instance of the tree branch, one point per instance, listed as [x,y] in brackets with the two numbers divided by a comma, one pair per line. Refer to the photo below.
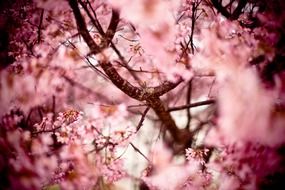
[238,10]
[122,83]
[142,119]
[221,9]
[180,137]
[108,68]
[166,87]
[138,150]
[40,26]
[115,19]
[188,101]
[82,28]
[108,36]
[202,103]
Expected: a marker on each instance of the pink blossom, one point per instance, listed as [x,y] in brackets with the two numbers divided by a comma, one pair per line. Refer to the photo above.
[70,109]
[175,175]
[196,155]
[145,12]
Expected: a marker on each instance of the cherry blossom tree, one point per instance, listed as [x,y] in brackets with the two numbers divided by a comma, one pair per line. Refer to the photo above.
[142,94]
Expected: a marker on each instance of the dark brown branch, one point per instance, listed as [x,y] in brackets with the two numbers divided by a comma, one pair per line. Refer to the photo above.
[92,66]
[188,101]
[108,40]
[124,63]
[138,150]
[82,28]
[110,71]
[100,29]
[165,87]
[180,136]
[238,10]
[194,12]
[40,26]
[111,30]
[122,83]
[199,126]
[230,3]
[94,19]
[29,46]
[202,103]
[142,118]
[53,107]
[136,106]
[190,42]
[151,96]
[108,68]
[163,115]
[136,93]
[108,36]
[221,9]
[115,19]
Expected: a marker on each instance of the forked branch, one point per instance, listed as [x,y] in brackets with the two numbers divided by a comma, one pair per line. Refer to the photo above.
[180,137]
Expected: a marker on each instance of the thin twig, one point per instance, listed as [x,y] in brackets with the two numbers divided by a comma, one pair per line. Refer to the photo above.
[196,104]
[137,150]
[40,26]
[140,124]
[188,101]
[82,28]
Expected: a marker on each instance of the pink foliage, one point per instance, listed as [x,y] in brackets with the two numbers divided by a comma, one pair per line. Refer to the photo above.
[167,94]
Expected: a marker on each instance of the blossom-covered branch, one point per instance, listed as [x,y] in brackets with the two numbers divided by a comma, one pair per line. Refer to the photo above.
[151,95]
[62,126]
